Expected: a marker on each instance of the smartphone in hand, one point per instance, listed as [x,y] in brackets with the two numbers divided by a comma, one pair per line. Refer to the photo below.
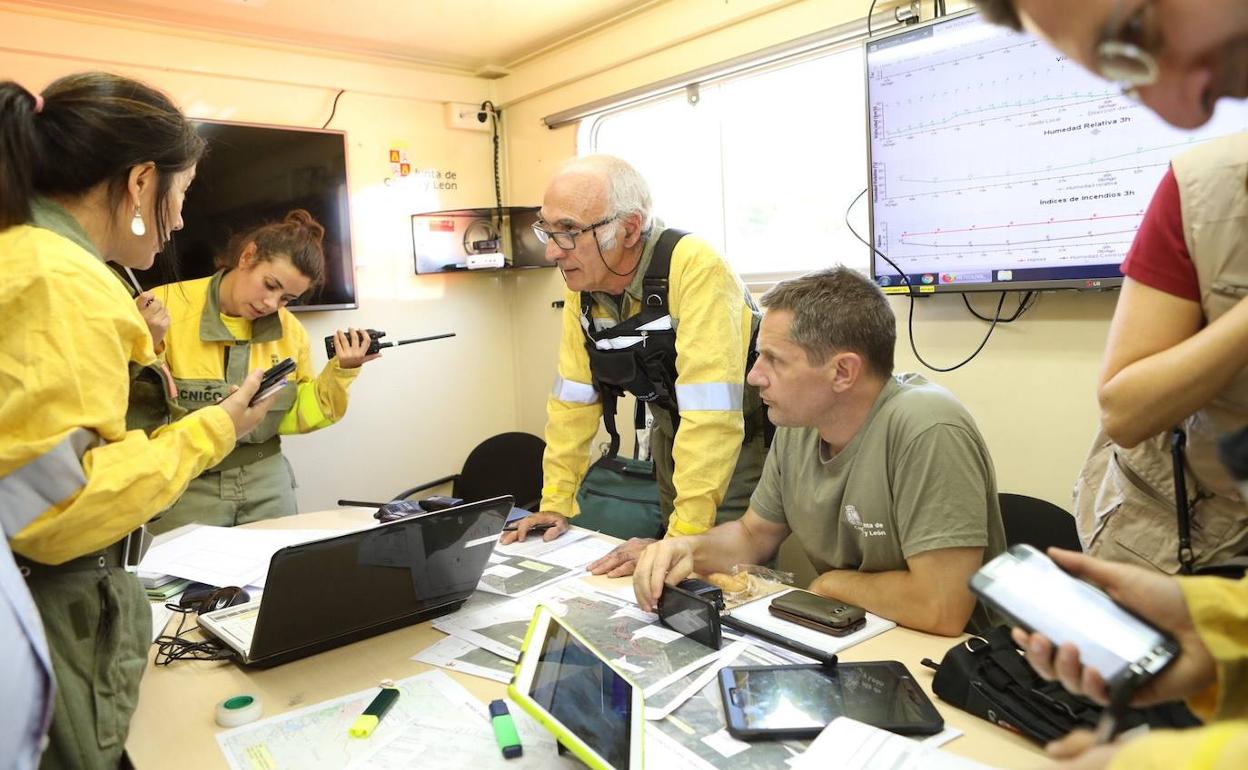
[1035,594]
[274,380]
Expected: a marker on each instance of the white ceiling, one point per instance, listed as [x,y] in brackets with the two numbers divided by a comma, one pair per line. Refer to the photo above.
[459,34]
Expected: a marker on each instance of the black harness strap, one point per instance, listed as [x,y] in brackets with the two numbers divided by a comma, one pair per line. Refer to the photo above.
[653,362]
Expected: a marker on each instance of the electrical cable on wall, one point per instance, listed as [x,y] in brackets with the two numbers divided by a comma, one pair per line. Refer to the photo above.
[489,109]
[334,110]
[910,291]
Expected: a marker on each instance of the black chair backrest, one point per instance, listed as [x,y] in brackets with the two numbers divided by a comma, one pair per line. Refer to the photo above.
[506,464]
[1037,523]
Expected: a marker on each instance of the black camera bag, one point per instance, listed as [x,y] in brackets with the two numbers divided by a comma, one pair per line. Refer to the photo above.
[987,676]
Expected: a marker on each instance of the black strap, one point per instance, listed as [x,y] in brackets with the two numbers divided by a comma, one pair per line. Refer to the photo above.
[653,305]
[1178,440]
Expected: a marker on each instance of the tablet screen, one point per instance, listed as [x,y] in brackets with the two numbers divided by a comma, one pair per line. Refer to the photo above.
[808,698]
[585,694]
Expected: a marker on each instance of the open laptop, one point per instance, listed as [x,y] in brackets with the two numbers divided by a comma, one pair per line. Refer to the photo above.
[331,592]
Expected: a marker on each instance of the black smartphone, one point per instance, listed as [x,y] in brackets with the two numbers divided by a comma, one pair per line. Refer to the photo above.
[692,614]
[799,701]
[1030,589]
[818,612]
[274,380]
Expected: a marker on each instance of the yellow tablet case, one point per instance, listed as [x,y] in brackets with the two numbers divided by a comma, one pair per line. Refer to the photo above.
[570,741]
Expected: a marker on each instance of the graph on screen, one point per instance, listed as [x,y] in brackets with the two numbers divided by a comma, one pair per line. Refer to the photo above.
[995,160]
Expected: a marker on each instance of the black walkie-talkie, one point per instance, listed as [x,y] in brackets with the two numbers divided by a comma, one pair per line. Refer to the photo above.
[375,344]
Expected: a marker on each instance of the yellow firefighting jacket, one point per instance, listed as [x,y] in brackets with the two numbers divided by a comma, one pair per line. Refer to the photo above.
[72,479]
[206,360]
[1219,608]
[713,329]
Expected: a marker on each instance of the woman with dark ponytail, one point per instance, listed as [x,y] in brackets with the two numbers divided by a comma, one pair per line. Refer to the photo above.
[236,320]
[92,170]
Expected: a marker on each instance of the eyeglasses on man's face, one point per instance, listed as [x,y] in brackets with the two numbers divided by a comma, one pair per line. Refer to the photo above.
[566,239]
[1126,52]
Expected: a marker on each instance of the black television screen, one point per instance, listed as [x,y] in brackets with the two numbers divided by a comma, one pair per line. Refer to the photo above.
[254,174]
[996,163]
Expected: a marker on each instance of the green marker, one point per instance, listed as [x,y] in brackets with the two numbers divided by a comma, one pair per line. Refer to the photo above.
[505,730]
[367,722]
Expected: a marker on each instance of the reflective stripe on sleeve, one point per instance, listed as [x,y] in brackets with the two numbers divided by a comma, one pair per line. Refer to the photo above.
[710,396]
[45,481]
[574,392]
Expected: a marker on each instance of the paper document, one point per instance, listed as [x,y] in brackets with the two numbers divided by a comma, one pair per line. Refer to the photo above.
[223,556]
[695,731]
[756,613]
[851,745]
[579,554]
[520,575]
[652,657]
[160,618]
[534,545]
[455,654]
[434,722]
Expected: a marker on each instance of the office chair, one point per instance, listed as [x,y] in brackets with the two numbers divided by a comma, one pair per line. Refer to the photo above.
[1037,523]
[506,464]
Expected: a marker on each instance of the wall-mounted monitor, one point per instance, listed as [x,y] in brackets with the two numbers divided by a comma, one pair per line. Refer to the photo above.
[443,241]
[255,174]
[995,163]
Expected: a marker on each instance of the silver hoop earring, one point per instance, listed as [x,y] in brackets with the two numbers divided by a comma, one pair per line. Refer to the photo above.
[136,225]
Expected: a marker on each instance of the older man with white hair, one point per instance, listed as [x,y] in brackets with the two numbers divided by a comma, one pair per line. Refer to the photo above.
[657,313]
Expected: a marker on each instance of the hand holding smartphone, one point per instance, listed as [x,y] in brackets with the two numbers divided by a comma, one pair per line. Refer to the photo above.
[1037,595]
[274,380]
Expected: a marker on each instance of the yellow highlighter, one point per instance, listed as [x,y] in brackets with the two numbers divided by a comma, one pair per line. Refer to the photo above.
[365,723]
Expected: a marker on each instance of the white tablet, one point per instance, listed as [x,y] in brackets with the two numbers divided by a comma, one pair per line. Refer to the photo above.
[592,709]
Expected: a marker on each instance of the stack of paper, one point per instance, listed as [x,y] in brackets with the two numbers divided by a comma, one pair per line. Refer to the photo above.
[223,556]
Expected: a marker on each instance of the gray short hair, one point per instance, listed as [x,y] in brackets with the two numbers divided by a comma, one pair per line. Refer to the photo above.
[1002,12]
[838,310]
[627,190]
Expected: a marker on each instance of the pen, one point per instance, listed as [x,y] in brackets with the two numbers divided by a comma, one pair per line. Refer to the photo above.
[534,528]
[367,722]
[823,657]
[505,730]
[137,287]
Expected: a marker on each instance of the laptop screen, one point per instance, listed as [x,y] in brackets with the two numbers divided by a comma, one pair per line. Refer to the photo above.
[375,579]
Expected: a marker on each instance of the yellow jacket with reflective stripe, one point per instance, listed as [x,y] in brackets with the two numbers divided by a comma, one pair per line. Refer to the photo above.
[72,479]
[713,325]
[196,349]
[1219,608]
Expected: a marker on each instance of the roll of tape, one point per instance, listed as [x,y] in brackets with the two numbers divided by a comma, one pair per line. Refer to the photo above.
[238,710]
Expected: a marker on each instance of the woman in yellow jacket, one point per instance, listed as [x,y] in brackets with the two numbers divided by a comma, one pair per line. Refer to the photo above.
[1208,617]
[236,320]
[94,168]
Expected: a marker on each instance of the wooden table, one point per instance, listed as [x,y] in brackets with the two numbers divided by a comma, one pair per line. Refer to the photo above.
[174,728]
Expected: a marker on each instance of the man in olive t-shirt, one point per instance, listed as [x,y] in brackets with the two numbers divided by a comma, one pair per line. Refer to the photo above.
[885,480]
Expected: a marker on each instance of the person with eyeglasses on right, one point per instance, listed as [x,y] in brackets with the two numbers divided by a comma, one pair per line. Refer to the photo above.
[659,314]
[1178,346]
[1176,349]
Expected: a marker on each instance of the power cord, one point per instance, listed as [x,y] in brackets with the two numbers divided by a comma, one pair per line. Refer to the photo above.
[1025,303]
[910,292]
[172,647]
[870,13]
[334,110]
[489,109]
